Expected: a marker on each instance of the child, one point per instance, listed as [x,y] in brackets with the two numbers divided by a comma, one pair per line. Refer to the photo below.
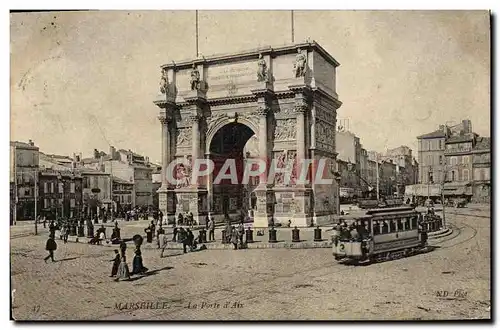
[116,263]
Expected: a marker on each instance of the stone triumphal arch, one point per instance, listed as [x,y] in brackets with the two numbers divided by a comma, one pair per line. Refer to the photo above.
[283,100]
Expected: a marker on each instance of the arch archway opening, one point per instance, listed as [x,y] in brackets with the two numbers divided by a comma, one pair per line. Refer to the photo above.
[233,142]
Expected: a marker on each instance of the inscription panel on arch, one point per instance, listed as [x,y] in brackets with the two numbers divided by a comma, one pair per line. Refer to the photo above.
[227,75]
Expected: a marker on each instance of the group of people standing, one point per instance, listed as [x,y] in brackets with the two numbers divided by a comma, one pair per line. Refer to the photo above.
[235,235]
[187,220]
[120,270]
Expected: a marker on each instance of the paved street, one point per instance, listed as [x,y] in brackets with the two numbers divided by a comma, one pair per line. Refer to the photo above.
[451,282]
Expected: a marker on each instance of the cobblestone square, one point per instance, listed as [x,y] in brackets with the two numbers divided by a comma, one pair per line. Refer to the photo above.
[451,282]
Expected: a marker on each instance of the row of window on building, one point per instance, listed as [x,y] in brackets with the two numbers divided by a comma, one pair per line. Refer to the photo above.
[428,145]
[454,160]
[51,202]
[480,174]
[49,187]
[123,199]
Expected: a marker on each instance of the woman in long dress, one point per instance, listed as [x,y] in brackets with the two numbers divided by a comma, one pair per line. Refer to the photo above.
[234,238]
[123,271]
[138,267]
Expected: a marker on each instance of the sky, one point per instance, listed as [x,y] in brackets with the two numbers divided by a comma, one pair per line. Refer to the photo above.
[85,80]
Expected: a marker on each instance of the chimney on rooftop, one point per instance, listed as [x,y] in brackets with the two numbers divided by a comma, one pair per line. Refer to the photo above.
[112,152]
[31,143]
[467,125]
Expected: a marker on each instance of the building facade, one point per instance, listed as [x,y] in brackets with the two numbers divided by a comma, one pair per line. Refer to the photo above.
[349,182]
[96,189]
[122,195]
[481,167]
[457,160]
[129,167]
[285,96]
[406,171]
[350,150]
[388,184]
[458,165]
[431,156]
[24,167]
[136,169]
[60,193]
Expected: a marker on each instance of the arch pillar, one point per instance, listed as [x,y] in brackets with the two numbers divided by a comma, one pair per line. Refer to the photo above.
[265,196]
[166,194]
[193,198]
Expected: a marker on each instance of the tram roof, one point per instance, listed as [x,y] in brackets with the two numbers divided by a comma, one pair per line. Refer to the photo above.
[390,210]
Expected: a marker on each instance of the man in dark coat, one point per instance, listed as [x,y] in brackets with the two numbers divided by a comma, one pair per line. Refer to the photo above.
[190,239]
[211,230]
[175,230]
[50,246]
[191,219]
[52,229]
[116,263]
[183,238]
[153,227]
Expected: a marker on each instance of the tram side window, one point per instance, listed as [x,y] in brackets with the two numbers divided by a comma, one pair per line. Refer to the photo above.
[407,223]
[376,228]
[385,228]
[413,222]
[392,224]
[400,225]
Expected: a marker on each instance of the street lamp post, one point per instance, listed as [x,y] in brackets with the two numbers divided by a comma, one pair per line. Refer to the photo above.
[378,179]
[36,202]
[442,195]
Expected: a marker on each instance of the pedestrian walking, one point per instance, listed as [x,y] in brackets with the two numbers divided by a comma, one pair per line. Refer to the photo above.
[241,232]
[137,265]
[50,246]
[190,240]
[153,227]
[102,237]
[191,219]
[183,238]
[175,230]
[149,234]
[234,238]
[65,233]
[211,230]
[116,264]
[335,234]
[52,228]
[103,231]
[163,243]
[123,271]
[207,222]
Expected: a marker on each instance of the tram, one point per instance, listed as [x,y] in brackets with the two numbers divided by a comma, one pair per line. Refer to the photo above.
[382,234]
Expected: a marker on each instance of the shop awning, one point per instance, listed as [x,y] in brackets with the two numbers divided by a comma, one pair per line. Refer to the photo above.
[457,191]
